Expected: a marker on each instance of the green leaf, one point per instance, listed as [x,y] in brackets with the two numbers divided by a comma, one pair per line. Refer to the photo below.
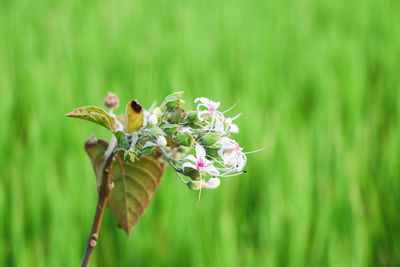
[122,140]
[173,100]
[149,148]
[192,117]
[94,114]
[130,155]
[156,131]
[134,116]
[171,129]
[185,139]
[209,139]
[212,151]
[134,183]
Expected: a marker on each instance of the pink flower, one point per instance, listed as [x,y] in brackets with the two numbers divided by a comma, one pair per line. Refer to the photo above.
[199,162]
[210,106]
[231,153]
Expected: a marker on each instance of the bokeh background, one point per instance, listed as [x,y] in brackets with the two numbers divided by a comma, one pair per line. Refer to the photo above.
[319,88]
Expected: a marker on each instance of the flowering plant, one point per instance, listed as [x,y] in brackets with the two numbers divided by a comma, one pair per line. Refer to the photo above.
[197,144]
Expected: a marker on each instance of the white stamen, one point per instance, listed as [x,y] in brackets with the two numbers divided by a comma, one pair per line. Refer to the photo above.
[254,151]
[234,105]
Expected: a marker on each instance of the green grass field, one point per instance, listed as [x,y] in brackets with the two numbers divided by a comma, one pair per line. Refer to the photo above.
[319,86]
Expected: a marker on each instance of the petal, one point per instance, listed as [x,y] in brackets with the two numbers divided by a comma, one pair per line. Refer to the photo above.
[201,113]
[227,159]
[242,162]
[188,165]
[191,158]
[219,115]
[200,152]
[234,128]
[219,126]
[211,170]
[224,142]
[202,100]
[215,104]
[221,152]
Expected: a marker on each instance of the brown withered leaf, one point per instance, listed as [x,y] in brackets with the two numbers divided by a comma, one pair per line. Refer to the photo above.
[134,183]
[134,116]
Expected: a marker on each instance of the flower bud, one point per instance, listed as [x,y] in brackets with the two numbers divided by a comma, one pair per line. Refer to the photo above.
[234,128]
[161,141]
[194,184]
[212,183]
[153,120]
[111,101]
[173,115]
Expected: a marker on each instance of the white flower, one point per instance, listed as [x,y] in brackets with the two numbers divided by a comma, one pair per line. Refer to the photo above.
[161,141]
[152,120]
[211,108]
[212,183]
[231,153]
[199,162]
[224,126]
[231,127]
[218,126]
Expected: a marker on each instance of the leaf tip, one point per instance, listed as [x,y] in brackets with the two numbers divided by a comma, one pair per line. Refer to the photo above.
[128,232]
[126,229]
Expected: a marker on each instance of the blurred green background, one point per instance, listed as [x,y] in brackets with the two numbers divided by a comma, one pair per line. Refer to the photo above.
[319,88]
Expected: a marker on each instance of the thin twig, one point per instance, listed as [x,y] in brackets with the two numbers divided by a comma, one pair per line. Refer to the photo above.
[104,193]
[169,160]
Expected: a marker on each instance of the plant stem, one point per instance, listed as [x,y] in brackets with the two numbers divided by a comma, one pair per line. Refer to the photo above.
[169,160]
[104,193]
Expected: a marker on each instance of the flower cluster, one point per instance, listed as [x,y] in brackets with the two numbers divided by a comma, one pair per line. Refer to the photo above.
[197,144]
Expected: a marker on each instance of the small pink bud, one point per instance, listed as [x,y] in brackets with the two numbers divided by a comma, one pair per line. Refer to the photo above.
[111,101]
[212,183]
